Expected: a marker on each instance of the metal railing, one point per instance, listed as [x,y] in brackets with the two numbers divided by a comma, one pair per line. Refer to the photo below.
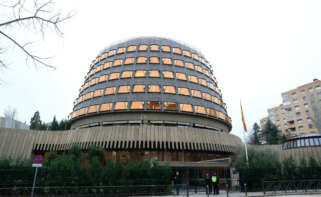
[291,186]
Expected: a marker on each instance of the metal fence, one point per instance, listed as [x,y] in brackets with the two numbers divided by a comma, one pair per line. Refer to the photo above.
[291,186]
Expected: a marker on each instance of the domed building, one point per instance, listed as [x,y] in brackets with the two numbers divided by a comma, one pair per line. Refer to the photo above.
[149,98]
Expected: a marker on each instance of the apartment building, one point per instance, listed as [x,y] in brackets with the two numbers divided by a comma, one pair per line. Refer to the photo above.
[295,115]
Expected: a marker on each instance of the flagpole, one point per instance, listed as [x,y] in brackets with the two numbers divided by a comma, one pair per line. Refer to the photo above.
[244,137]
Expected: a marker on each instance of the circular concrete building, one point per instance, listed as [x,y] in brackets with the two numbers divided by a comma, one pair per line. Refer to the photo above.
[154,98]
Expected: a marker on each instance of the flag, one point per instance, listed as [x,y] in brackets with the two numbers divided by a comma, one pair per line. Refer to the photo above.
[243,119]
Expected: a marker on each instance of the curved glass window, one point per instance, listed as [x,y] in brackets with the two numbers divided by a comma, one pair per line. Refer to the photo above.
[121,50]
[166,48]
[183,91]
[168,74]
[169,89]
[192,79]
[121,106]
[143,47]
[107,65]
[186,107]
[153,88]
[154,105]
[211,112]
[141,60]
[195,56]
[103,78]
[123,89]
[207,96]
[220,115]
[93,109]
[131,48]
[202,82]
[199,69]
[211,86]
[111,90]
[216,100]
[186,53]
[189,65]
[83,111]
[154,73]
[140,73]
[166,61]
[196,93]
[179,63]
[129,60]
[111,53]
[181,76]
[139,88]
[106,107]
[177,51]
[127,74]
[113,76]
[98,93]
[199,109]
[137,105]
[170,106]
[154,60]
[154,47]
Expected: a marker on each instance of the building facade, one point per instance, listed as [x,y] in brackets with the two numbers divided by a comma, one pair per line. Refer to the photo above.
[149,98]
[7,122]
[299,108]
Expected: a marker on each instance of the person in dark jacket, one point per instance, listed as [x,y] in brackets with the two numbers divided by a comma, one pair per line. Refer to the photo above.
[216,182]
[176,180]
[208,183]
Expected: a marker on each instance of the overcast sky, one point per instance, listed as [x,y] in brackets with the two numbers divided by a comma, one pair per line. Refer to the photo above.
[258,49]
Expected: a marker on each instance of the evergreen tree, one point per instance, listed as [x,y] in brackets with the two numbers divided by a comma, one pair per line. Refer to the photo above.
[35,122]
[64,125]
[54,125]
[271,133]
[255,135]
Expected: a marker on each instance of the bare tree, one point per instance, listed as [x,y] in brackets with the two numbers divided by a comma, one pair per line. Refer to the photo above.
[10,115]
[316,109]
[39,15]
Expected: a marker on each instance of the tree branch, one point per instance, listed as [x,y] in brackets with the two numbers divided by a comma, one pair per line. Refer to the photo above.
[33,57]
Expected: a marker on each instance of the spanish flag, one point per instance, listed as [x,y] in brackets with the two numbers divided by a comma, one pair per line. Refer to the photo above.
[243,119]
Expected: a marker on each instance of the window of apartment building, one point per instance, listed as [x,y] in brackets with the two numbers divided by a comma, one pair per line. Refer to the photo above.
[294,94]
[186,53]
[309,119]
[179,63]
[113,76]
[121,50]
[301,128]
[317,88]
[306,105]
[196,93]
[166,61]
[129,60]
[316,141]
[304,98]
[287,103]
[192,79]
[140,73]
[285,97]
[199,109]
[299,121]
[310,90]
[154,47]
[166,48]
[298,114]
[289,116]
[297,107]
[141,60]
[181,76]
[310,126]
[93,109]
[319,94]
[302,91]
[295,101]
[307,112]
[177,51]
[126,74]
[110,91]
[168,74]
[277,116]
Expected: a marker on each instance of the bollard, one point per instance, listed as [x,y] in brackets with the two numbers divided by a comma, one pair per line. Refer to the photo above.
[245,189]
